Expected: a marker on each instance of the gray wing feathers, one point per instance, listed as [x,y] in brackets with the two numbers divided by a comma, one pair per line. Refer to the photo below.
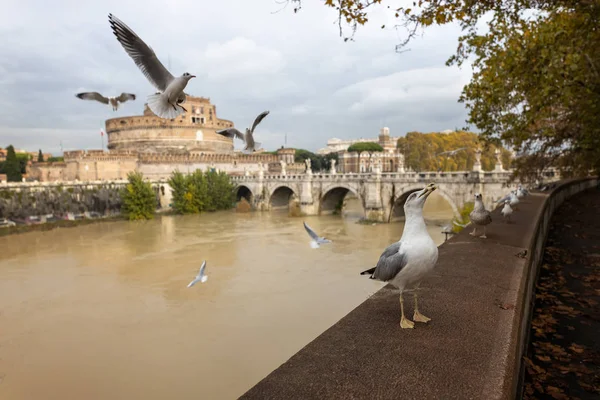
[202,268]
[143,56]
[310,232]
[92,96]
[231,133]
[391,262]
[258,119]
[125,96]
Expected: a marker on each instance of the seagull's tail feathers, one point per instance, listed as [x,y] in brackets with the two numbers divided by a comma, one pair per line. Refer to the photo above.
[159,104]
[314,244]
[204,279]
[257,145]
[369,271]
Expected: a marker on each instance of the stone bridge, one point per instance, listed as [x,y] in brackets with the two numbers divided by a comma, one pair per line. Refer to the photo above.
[382,195]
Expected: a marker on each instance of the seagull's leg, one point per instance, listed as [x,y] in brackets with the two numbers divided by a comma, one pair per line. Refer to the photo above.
[474,229]
[184,110]
[417,315]
[404,322]
[483,236]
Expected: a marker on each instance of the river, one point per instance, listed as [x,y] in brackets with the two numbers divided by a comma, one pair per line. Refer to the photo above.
[102,311]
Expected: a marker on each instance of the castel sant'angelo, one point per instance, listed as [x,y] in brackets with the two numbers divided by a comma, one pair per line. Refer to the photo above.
[156,147]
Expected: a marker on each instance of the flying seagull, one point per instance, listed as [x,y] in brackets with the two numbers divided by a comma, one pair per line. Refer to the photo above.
[407,261]
[247,137]
[200,277]
[507,210]
[317,241]
[451,152]
[479,216]
[113,101]
[167,103]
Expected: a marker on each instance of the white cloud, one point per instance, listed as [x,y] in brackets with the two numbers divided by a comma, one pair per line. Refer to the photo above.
[241,58]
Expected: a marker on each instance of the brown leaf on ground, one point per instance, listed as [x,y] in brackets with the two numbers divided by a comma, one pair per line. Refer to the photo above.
[543,358]
[577,348]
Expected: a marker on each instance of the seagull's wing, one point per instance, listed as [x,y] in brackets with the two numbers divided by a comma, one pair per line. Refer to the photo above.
[125,96]
[202,269]
[390,263]
[311,233]
[192,283]
[258,119]
[92,96]
[507,197]
[143,56]
[231,133]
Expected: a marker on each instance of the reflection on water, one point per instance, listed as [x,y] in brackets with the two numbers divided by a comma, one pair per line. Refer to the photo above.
[102,311]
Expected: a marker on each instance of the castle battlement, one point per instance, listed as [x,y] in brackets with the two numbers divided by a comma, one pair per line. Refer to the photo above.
[201,158]
[99,155]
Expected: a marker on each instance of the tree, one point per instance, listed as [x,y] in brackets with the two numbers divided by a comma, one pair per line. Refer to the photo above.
[139,199]
[201,191]
[315,160]
[40,156]
[12,168]
[536,82]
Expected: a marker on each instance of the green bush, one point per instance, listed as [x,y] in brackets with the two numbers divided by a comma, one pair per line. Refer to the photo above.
[201,191]
[12,167]
[139,200]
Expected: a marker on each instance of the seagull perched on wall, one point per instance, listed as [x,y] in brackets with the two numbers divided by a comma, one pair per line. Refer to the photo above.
[521,192]
[507,210]
[112,101]
[167,103]
[201,277]
[406,262]
[317,241]
[479,216]
[247,137]
[512,197]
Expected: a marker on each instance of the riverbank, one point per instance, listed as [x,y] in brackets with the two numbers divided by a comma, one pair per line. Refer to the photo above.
[48,226]
[563,359]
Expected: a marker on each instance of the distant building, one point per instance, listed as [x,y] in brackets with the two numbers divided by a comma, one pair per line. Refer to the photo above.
[156,147]
[336,145]
[390,160]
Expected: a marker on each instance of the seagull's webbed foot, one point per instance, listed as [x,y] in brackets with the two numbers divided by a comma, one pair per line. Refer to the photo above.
[473,233]
[418,317]
[406,323]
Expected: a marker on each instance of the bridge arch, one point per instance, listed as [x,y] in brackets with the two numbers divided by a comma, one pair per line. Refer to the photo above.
[332,198]
[280,196]
[243,191]
[397,210]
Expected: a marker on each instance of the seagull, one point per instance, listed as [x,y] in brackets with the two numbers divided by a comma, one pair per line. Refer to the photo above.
[407,261]
[451,152]
[200,277]
[317,240]
[167,103]
[113,101]
[247,137]
[507,210]
[479,216]
[512,196]
[521,192]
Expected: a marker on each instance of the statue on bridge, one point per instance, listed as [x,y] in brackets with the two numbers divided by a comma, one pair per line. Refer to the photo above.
[283,165]
[308,169]
[332,168]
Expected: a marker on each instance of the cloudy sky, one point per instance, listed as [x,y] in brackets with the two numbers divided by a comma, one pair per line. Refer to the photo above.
[247,58]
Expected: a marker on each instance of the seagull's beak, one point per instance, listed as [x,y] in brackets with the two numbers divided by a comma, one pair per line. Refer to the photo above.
[193,76]
[428,190]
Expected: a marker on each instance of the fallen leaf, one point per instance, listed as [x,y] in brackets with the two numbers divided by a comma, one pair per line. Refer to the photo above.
[543,358]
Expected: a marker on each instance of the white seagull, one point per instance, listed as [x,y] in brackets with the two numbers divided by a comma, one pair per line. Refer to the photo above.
[317,241]
[479,216]
[507,210]
[167,103]
[201,277]
[512,196]
[248,137]
[405,263]
[521,192]
[112,101]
